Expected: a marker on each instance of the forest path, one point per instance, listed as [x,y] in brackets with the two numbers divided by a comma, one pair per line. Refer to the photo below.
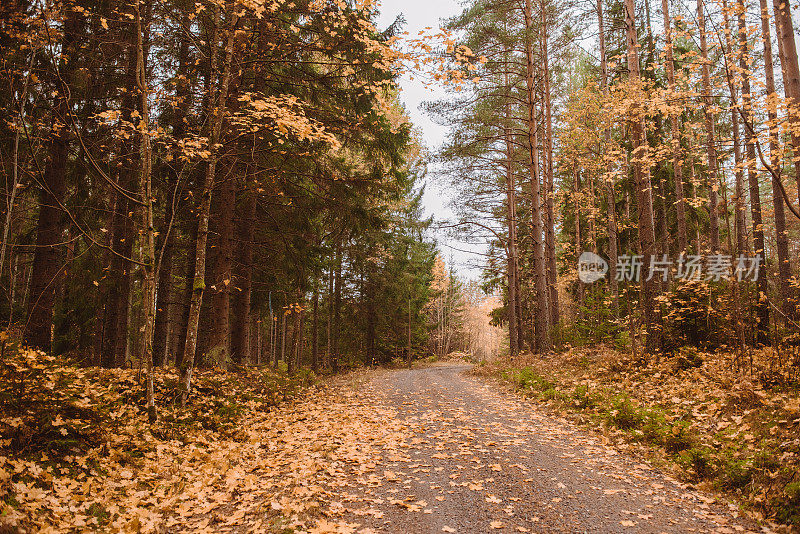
[476,459]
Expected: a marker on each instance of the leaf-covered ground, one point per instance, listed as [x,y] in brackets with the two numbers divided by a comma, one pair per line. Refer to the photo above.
[694,414]
[424,450]
[475,460]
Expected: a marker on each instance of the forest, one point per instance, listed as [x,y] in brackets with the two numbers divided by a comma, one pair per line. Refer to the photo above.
[209,205]
[197,185]
[660,139]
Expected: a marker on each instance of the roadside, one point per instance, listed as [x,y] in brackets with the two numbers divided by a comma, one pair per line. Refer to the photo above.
[690,414]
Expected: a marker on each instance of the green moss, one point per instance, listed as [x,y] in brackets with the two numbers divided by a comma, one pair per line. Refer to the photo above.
[679,437]
[735,474]
[697,460]
[582,399]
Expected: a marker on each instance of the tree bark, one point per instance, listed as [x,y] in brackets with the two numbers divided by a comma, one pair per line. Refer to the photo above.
[677,165]
[243,279]
[787,295]
[46,268]
[337,306]
[146,211]
[215,115]
[511,253]
[315,331]
[164,297]
[222,275]
[644,192]
[117,281]
[550,237]
[741,238]
[542,314]
[762,304]
[611,220]
[166,292]
[787,52]
[713,180]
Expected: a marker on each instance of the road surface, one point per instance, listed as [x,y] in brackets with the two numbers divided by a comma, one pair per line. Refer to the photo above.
[476,459]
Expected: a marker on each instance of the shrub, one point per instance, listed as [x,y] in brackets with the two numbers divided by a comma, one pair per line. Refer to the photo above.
[624,414]
[736,474]
[688,358]
[581,398]
[698,459]
[679,437]
[654,427]
[527,378]
[790,511]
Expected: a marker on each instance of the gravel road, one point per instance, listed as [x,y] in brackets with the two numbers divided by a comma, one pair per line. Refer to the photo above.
[480,460]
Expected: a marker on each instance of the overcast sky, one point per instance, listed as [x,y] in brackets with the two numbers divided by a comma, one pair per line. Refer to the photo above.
[420,14]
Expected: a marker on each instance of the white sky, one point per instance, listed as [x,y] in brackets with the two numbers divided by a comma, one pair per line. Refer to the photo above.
[420,14]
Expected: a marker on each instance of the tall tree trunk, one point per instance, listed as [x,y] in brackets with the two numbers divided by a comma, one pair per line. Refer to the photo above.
[513,335]
[740,220]
[644,191]
[166,293]
[611,220]
[46,269]
[337,307]
[164,296]
[215,116]
[221,271]
[329,325]
[785,291]
[242,281]
[576,187]
[315,331]
[713,179]
[301,328]
[787,52]
[118,275]
[762,305]
[295,328]
[677,164]
[511,252]
[146,209]
[550,237]
[542,315]
[46,256]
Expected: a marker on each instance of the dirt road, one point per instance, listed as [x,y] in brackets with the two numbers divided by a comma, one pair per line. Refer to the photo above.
[476,459]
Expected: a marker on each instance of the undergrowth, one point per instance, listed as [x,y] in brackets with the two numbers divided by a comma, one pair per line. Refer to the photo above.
[721,429]
[63,425]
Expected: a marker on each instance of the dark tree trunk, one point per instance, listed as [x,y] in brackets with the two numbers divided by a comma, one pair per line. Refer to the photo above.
[644,193]
[337,307]
[549,238]
[245,225]
[762,304]
[163,306]
[46,268]
[677,164]
[315,331]
[46,256]
[713,179]
[785,290]
[611,224]
[787,52]
[542,314]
